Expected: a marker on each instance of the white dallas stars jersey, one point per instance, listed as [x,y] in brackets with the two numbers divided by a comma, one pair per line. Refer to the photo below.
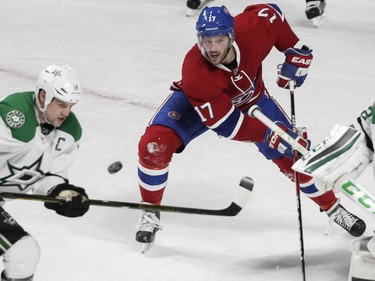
[30,160]
[366,123]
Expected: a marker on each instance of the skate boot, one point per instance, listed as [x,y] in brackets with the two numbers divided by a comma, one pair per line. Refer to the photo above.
[315,12]
[148,225]
[194,7]
[4,278]
[348,221]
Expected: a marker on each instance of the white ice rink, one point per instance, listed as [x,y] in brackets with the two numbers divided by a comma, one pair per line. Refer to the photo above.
[127,53]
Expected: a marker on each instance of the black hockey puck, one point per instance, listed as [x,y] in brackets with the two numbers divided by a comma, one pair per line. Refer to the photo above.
[114,167]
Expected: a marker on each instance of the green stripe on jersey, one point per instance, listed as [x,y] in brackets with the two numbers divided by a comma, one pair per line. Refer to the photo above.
[72,127]
[18,113]
[19,107]
[4,243]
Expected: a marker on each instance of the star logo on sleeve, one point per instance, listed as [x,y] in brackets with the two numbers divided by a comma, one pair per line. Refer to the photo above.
[56,72]
[22,177]
[8,219]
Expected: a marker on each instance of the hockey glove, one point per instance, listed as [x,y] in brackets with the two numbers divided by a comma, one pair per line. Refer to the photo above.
[295,67]
[76,200]
[276,142]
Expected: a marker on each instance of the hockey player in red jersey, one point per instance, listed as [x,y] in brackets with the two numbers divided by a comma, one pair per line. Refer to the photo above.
[221,80]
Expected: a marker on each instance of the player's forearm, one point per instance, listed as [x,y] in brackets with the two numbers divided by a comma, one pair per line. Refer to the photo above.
[45,184]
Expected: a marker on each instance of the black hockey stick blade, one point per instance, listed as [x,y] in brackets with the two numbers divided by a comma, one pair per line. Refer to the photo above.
[242,196]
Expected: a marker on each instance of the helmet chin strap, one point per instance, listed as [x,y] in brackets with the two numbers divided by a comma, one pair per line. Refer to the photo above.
[42,112]
[46,127]
[46,118]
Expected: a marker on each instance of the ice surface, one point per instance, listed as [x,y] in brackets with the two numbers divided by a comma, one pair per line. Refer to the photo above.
[127,53]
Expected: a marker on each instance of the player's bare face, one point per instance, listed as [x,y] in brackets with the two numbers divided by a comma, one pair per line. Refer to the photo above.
[216,48]
[57,111]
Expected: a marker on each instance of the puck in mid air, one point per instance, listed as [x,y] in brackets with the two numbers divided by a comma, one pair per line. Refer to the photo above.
[114,167]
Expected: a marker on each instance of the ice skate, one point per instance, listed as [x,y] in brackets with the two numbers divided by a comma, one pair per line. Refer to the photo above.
[148,225]
[315,12]
[348,221]
[195,6]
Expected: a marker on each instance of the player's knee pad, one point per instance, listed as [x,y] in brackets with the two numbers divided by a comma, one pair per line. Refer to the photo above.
[21,259]
[157,145]
[362,267]
[363,259]
[4,278]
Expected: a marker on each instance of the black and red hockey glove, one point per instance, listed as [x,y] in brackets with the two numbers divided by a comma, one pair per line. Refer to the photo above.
[276,142]
[295,67]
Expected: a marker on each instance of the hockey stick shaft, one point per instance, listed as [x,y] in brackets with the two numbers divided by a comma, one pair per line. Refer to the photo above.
[297,180]
[242,196]
[255,111]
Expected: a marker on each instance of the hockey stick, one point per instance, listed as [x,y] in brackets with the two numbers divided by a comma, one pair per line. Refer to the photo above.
[241,197]
[346,185]
[296,180]
[255,111]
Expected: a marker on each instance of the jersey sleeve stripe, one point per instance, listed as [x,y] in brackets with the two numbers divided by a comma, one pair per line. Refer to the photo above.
[222,120]
[277,10]
[229,125]
[237,128]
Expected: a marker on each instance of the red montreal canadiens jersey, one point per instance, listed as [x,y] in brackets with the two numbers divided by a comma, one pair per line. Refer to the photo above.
[219,94]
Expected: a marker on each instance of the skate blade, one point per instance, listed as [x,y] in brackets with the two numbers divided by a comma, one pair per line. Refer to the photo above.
[319,21]
[145,247]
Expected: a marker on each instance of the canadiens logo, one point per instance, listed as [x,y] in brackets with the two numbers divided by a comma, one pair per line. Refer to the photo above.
[15,119]
[174,115]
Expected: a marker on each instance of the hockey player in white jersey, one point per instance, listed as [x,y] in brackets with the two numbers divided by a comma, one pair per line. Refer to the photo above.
[39,139]
[346,153]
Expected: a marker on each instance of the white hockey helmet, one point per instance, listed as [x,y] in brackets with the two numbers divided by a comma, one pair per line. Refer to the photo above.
[59,82]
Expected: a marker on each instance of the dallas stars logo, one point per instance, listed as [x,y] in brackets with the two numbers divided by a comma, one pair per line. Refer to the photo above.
[15,119]
[22,177]
[56,72]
